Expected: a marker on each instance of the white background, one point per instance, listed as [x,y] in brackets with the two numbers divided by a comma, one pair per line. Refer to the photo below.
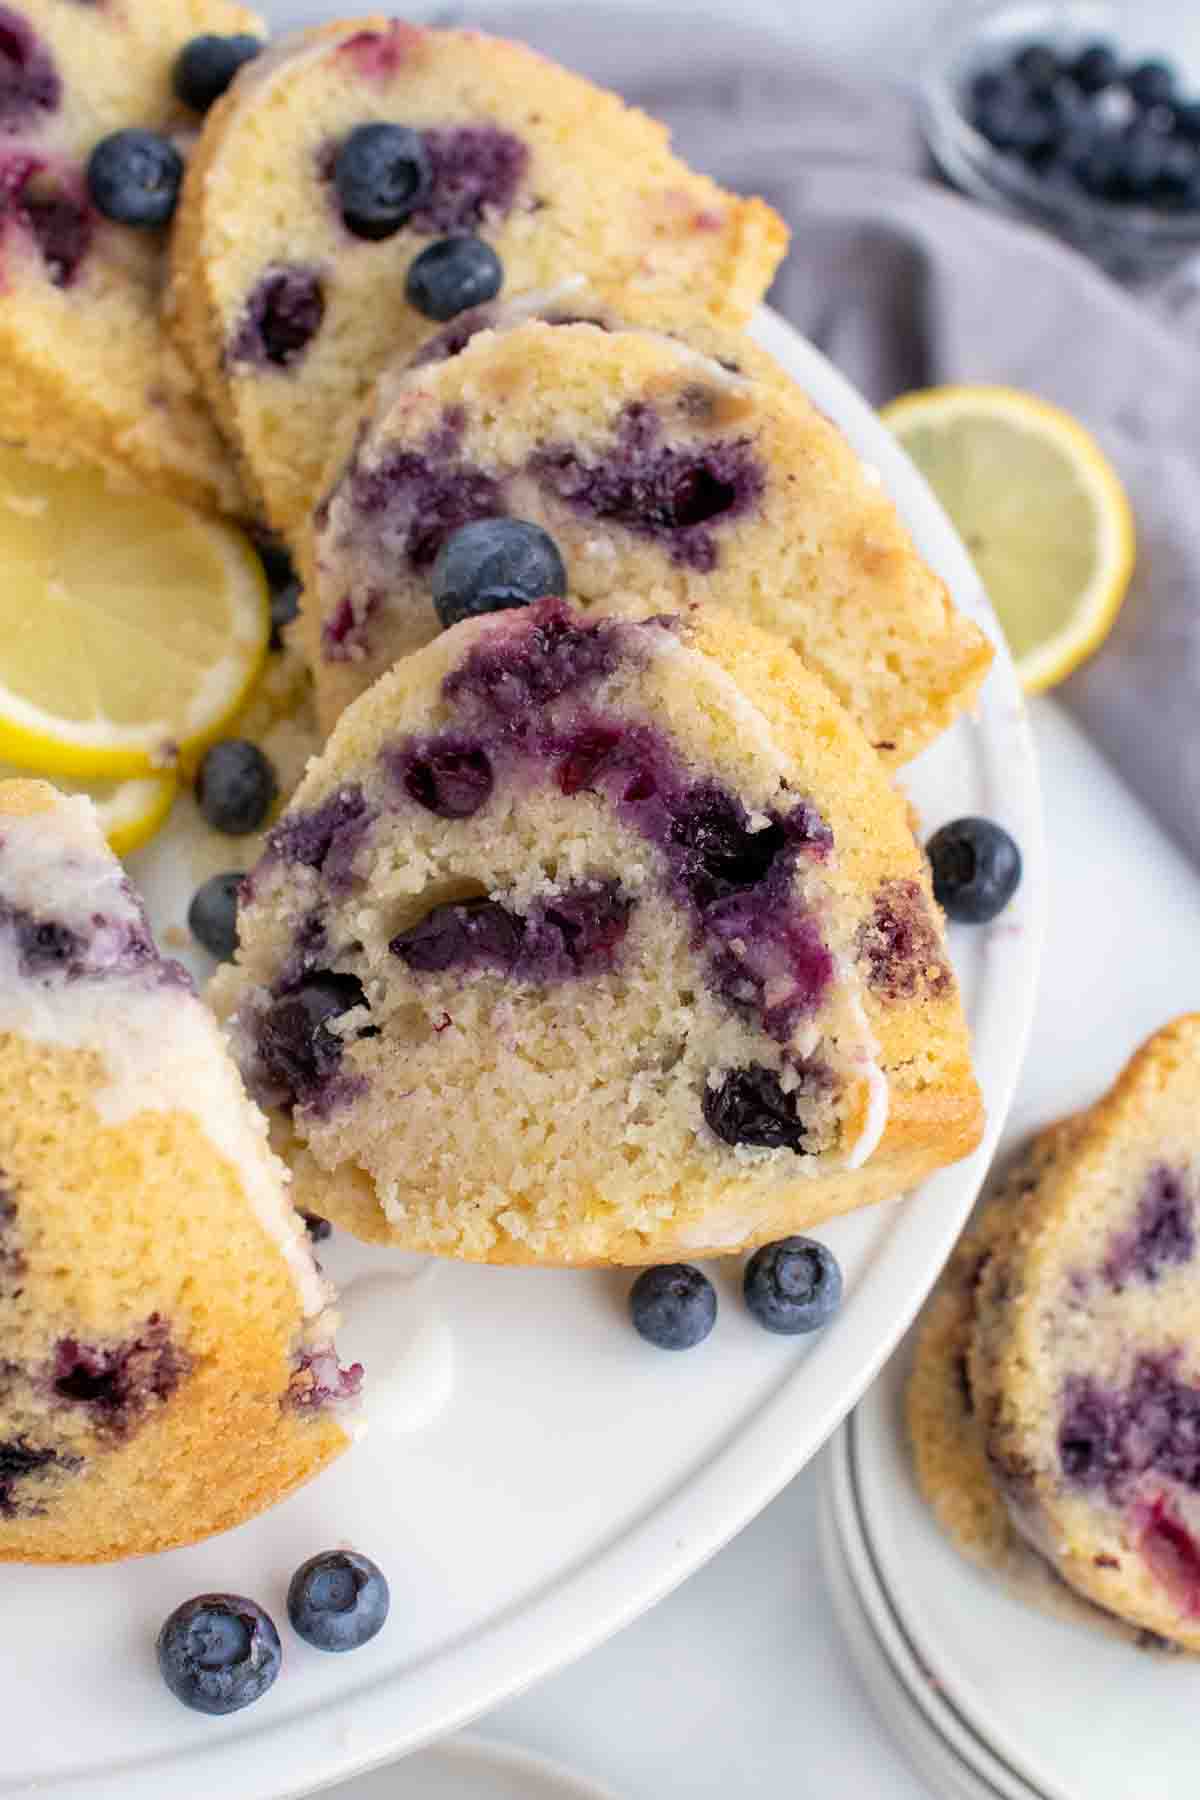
[739,1684]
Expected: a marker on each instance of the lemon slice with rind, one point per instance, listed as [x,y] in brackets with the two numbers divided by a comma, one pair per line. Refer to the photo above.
[129,812]
[131,628]
[1040,509]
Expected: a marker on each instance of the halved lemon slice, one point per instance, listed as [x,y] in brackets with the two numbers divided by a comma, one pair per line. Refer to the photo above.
[1039,507]
[130,812]
[131,628]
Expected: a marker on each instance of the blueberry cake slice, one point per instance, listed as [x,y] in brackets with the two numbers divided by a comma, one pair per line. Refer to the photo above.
[86,370]
[662,471]
[1078,1364]
[168,1363]
[598,939]
[349,152]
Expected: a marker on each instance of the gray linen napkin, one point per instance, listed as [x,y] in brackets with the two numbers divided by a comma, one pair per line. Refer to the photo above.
[905,284]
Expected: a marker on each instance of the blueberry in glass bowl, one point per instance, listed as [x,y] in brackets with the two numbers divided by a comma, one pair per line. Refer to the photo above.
[1081,118]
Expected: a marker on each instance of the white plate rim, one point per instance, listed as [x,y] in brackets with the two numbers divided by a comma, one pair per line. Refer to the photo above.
[598,1597]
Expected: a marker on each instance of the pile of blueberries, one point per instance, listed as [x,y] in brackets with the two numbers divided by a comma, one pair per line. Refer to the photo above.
[1088,123]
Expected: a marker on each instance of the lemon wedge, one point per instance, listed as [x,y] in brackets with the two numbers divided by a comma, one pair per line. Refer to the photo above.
[131,628]
[129,812]
[1040,509]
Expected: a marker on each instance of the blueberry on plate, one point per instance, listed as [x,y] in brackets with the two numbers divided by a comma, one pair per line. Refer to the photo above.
[1187,121]
[206,65]
[219,1652]
[382,174]
[793,1286]
[133,177]
[1151,83]
[212,915]
[235,786]
[452,275]
[1038,67]
[976,869]
[338,1600]
[493,564]
[1096,67]
[673,1306]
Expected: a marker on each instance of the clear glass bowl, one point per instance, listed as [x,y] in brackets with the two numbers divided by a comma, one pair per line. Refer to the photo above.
[1133,242]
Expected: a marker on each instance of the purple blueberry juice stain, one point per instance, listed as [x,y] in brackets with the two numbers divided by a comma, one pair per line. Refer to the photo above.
[119,1382]
[326,838]
[281,316]
[1163,1234]
[345,634]
[449,779]
[107,948]
[735,874]
[12,1257]
[1110,1437]
[19,1459]
[378,55]
[318,1380]
[900,946]
[409,501]
[678,495]
[575,933]
[51,205]
[1172,1554]
[29,82]
[476,172]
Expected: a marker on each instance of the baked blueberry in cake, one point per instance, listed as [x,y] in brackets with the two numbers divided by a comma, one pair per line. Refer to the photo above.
[566,951]
[1077,1356]
[92,139]
[169,1365]
[660,472]
[348,154]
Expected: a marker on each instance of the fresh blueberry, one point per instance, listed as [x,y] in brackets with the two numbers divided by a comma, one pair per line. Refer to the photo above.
[793,1286]
[985,87]
[453,274]
[382,175]
[1038,67]
[493,564]
[338,1600]
[205,67]
[218,1653]
[133,176]
[673,1306]
[284,584]
[235,786]
[212,915]
[1151,83]
[1140,167]
[976,869]
[1016,120]
[1095,68]
[317,1228]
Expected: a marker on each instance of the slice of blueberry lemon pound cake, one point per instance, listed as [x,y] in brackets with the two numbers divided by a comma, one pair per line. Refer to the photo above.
[92,137]
[660,472]
[598,939]
[370,179]
[1072,1317]
[168,1366]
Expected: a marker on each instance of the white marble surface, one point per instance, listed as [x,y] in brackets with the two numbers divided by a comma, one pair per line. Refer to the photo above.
[739,1684]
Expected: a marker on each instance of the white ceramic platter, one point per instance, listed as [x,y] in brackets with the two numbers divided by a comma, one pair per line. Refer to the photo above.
[574,1475]
[1032,1705]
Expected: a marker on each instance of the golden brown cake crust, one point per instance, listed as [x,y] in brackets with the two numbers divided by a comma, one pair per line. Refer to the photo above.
[130,1243]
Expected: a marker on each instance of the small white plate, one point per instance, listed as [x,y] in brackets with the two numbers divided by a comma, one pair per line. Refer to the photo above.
[574,1476]
[471,1768]
[1066,1712]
